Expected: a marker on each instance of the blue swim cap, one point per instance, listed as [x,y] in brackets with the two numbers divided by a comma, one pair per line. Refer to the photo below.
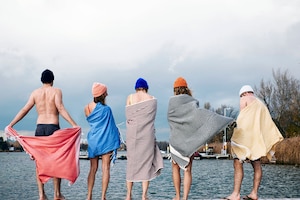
[141,83]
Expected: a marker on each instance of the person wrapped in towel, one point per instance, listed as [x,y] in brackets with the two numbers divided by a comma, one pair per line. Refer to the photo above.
[255,136]
[144,160]
[190,128]
[103,137]
[49,106]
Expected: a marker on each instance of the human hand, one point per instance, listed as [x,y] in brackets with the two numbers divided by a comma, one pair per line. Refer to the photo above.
[31,157]
[232,125]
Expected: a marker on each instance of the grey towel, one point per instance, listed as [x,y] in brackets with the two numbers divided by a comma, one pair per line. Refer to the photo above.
[191,127]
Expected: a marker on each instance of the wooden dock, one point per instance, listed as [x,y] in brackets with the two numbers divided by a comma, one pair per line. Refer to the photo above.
[211,156]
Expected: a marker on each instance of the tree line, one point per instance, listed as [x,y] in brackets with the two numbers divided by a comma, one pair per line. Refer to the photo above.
[281,95]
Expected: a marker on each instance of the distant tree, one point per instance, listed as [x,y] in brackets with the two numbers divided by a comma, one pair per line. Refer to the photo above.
[162,145]
[207,105]
[282,97]
[3,145]
[227,111]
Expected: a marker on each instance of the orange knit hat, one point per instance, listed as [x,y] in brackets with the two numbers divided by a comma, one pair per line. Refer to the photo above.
[98,89]
[180,82]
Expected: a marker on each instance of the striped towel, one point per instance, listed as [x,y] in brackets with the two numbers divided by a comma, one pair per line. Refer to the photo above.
[144,160]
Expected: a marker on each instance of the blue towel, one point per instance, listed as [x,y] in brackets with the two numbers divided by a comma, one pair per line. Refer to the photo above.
[104,135]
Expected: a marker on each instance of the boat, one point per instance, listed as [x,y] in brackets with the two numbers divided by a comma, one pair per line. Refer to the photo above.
[165,154]
[208,153]
[121,155]
[83,154]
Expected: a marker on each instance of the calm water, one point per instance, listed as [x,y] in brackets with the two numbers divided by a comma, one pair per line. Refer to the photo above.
[212,179]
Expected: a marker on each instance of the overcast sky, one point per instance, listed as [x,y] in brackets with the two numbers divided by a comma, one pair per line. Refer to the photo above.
[216,45]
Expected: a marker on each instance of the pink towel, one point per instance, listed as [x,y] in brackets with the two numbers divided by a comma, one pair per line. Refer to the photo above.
[56,155]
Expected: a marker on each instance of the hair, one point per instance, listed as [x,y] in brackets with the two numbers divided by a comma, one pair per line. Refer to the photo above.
[47,76]
[141,89]
[182,90]
[246,93]
[101,99]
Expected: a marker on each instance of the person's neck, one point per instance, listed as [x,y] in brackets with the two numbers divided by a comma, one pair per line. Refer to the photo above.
[141,91]
[47,85]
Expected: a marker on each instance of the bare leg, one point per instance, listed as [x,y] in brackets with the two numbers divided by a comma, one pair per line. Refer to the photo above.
[105,174]
[256,179]
[91,176]
[145,190]
[42,194]
[238,178]
[187,180]
[129,189]
[176,180]
[57,193]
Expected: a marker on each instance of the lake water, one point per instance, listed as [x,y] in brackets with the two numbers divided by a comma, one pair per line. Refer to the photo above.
[212,179]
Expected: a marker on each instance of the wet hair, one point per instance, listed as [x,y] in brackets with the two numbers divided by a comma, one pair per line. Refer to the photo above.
[47,76]
[141,89]
[101,99]
[182,90]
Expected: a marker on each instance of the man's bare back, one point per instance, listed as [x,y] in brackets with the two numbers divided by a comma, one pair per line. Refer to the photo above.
[47,99]
[49,104]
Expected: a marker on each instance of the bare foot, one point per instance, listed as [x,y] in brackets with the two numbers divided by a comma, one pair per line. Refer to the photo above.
[232,197]
[60,198]
[128,198]
[250,197]
[44,197]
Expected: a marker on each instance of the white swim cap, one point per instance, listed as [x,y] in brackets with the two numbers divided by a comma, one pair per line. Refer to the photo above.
[246,88]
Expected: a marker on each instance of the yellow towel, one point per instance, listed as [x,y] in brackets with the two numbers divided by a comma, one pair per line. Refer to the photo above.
[256,134]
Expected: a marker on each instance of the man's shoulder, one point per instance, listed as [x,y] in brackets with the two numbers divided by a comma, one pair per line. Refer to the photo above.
[41,90]
[55,90]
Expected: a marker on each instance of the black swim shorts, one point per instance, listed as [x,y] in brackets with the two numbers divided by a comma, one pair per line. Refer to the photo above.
[46,129]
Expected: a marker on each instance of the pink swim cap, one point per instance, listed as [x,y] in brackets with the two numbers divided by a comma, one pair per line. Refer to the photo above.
[98,89]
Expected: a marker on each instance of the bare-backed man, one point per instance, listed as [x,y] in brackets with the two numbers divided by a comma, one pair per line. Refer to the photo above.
[49,105]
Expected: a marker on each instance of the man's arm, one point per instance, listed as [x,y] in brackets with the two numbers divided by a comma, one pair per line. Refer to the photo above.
[30,103]
[61,109]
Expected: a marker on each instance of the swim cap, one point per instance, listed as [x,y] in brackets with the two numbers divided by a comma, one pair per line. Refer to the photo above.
[180,82]
[246,88]
[98,89]
[47,76]
[141,83]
